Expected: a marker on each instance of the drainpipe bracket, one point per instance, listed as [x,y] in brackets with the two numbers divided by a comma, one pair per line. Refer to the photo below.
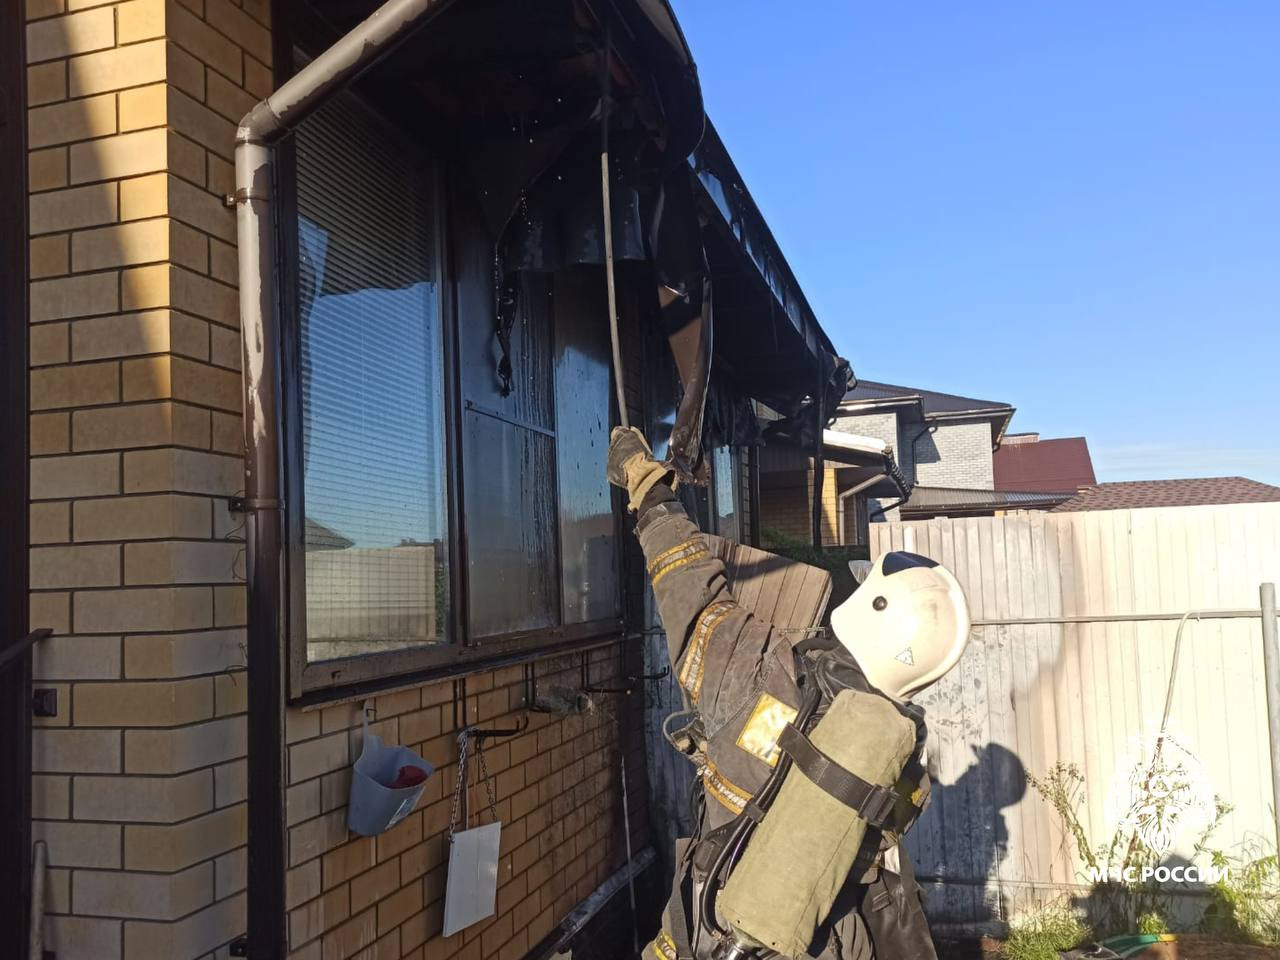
[245,504]
[244,195]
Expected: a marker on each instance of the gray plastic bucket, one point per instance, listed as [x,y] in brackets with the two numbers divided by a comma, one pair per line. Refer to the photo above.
[375,807]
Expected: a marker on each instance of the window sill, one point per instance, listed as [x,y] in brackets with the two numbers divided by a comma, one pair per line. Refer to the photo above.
[338,681]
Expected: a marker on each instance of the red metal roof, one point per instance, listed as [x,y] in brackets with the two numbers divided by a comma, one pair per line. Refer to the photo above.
[1170,493]
[1059,464]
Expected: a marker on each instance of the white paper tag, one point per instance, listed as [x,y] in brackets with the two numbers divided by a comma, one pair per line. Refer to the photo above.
[472,885]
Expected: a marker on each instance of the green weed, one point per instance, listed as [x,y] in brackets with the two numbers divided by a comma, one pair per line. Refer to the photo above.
[1246,901]
[1041,935]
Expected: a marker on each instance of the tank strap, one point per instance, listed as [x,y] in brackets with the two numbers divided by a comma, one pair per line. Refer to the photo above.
[683,893]
[873,803]
[678,914]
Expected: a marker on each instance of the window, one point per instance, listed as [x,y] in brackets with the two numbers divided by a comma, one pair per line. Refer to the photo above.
[584,392]
[371,353]
[728,493]
[405,471]
[509,472]
[541,532]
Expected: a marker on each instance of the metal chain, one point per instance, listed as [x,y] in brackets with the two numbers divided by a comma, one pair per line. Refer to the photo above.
[464,749]
[460,785]
[488,781]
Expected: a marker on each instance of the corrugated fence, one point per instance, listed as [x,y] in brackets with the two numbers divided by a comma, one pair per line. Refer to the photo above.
[1027,695]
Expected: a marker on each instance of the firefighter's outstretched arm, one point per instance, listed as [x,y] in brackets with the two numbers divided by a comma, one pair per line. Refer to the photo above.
[688,582]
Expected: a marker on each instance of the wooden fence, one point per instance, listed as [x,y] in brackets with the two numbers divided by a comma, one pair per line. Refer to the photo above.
[1032,690]
[369,599]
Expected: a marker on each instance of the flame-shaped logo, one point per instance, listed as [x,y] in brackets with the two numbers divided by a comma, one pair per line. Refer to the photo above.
[1160,791]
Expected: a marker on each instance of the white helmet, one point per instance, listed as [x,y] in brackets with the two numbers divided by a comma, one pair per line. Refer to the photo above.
[907,624]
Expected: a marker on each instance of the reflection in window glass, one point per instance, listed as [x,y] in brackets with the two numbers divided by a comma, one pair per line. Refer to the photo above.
[724,467]
[588,547]
[372,399]
[511,536]
[509,446]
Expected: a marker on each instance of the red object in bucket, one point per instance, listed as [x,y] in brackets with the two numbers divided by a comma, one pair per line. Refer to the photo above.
[409,776]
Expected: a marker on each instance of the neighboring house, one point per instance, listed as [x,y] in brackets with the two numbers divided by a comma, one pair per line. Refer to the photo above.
[400,505]
[856,471]
[1025,462]
[1200,491]
[954,454]
[941,446]
[1028,474]
[939,439]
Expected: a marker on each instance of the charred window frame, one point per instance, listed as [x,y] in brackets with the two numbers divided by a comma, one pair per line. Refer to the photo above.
[469,647]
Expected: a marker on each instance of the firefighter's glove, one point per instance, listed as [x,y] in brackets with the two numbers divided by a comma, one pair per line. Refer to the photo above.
[632,467]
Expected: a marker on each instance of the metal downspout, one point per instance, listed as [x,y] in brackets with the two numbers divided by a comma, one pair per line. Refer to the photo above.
[263,126]
[853,492]
[911,446]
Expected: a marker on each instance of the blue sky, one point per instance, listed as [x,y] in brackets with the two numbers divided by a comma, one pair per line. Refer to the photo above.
[1070,207]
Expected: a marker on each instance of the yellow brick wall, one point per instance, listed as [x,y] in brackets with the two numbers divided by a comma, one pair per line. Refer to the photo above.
[557,787]
[786,506]
[136,562]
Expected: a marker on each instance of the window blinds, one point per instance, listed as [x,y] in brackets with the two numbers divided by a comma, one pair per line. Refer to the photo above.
[372,388]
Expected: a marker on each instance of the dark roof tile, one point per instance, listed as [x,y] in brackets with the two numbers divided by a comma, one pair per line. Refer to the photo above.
[935,500]
[931,401]
[1200,491]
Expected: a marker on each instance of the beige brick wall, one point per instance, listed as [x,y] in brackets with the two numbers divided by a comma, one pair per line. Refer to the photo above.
[139,784]
[786,506]
[557,788]
[139,781]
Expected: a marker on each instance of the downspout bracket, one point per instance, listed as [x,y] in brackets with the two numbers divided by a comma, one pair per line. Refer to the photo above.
[244,195]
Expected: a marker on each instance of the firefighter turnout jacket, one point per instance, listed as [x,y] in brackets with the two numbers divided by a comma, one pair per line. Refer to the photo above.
[739,678]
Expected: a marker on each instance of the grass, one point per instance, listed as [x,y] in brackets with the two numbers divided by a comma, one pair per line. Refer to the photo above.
[1115,906]
[1246,903]
[1041,935]
[1153,922]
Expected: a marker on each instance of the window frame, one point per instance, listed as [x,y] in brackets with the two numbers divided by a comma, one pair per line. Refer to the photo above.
[350,677]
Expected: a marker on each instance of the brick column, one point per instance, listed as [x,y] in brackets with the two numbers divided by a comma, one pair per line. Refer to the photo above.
[135,431]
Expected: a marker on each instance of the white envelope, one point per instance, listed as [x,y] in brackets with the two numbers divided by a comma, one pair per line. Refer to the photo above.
[472,884]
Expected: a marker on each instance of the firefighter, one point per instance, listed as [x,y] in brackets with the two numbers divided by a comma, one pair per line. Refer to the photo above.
[743,681]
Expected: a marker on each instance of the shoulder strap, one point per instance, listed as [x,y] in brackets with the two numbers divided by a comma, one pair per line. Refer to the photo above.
[873,803]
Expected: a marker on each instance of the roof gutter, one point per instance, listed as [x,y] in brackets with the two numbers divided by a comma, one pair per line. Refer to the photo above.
[977,412]
[891,472]
[871,403]
[262,127]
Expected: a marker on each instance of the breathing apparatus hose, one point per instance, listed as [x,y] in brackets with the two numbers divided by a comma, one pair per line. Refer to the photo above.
[745,824]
